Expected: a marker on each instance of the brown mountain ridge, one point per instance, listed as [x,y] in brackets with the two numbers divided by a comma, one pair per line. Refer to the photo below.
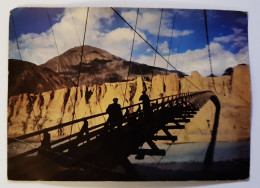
[99,67]
[26,77]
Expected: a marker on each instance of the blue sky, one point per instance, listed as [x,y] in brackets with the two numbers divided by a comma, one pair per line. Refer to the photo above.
[227,33]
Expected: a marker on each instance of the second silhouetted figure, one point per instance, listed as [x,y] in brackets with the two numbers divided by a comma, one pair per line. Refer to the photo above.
[115,114]
[146,101]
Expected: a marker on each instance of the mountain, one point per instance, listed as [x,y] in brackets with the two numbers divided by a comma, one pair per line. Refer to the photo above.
[99,67]
[26,77]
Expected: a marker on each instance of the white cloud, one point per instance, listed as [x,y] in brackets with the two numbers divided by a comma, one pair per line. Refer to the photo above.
[163,48]
[198,60]
[39,48]
[149,50]
[149,20]
[119,42]
[238,38]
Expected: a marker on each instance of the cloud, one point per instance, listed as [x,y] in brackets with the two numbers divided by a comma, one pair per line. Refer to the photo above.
[149,20]
[198,60]
[39,48]
[163,48]
[237,39]
[119,42]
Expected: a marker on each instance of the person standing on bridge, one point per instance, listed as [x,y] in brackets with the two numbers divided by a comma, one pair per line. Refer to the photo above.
[146,101]
[115,114]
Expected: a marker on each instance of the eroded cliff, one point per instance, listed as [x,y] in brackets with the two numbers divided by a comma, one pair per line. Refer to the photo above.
[30,112]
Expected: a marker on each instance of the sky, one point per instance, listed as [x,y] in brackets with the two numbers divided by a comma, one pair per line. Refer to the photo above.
[180,33]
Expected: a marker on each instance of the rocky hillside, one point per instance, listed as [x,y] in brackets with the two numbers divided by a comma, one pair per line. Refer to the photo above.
[26,77]
[99,67]
[30,112]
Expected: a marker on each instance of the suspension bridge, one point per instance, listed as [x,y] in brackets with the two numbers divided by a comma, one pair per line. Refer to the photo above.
[104,147]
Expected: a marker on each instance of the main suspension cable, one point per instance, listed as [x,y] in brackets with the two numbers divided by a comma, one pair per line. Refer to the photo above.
[152,47]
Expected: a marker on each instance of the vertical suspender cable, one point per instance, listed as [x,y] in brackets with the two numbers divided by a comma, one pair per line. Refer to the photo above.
[61,64]
[209,53]
[171,42]
[16,37]
[156,48]
[132,49]
[75,26]
[158,162]
[173,21]
[83,56]
[80,45]
[19,50]
[55,41]
[80,63]
[207,36]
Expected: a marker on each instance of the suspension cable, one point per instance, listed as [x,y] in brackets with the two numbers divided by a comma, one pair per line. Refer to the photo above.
[173,22]
[55,41]
[86,61]
[80,63]
[75,26]
[17,43]
[59,57]
[207,36]
[153,47]
[170,47]
[16,37]
[80,45]
[155,54]
[131,54]
[209,52]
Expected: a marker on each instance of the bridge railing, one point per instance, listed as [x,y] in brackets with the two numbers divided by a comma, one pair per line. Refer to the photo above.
[96,129]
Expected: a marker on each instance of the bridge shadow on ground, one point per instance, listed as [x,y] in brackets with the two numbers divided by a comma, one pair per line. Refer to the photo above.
[233,170]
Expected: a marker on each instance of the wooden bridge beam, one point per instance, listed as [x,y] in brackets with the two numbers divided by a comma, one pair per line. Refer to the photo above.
[143,152]
[172,138]
[152,145]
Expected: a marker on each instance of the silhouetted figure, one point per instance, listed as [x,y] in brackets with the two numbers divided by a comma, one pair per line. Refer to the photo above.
[115,114]
[45,143]
[146,101]
[179,87]
[83,130]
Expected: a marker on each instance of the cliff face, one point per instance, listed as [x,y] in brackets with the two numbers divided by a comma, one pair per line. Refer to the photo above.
[29,112]
[234,94]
